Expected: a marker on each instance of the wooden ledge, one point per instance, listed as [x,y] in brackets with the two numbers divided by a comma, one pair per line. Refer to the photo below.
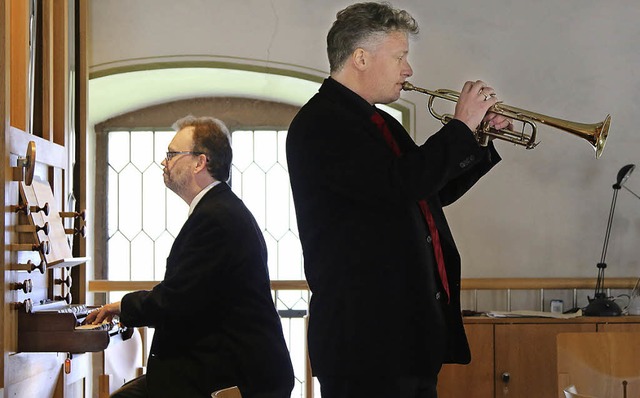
[467,284]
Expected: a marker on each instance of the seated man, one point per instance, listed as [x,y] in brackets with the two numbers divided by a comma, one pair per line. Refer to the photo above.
[215,322]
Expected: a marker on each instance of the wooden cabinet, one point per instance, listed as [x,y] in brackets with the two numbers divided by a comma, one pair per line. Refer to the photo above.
[516,357]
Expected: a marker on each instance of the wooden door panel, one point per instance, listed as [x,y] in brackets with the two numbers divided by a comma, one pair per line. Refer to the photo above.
[603,364]
[525,356]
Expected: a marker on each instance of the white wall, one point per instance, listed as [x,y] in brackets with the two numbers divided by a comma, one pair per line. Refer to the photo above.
[540,213]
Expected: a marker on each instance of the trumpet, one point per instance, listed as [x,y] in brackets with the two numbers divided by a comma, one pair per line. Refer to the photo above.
[594,133]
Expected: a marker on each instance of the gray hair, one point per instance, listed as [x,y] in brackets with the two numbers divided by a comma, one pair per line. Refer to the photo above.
[364,24]
[212,138]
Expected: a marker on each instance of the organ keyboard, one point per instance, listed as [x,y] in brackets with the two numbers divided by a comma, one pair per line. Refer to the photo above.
[57,327]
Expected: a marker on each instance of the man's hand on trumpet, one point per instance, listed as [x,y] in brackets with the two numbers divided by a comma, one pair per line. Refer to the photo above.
[476,98]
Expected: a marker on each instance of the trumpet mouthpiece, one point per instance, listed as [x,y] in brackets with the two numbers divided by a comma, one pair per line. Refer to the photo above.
[407,86]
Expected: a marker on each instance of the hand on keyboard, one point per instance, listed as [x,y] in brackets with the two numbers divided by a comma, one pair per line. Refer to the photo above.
[102,314]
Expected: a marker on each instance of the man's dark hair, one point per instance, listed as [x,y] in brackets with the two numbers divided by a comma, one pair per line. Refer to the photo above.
[361,24]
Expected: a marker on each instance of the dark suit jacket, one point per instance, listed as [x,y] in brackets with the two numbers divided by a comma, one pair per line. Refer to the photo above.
[367,251]
[215,322]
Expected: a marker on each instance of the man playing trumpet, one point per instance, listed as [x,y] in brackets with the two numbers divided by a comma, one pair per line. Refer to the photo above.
[368,199]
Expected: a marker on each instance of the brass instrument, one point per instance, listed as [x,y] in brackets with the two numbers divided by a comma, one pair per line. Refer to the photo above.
[595,133]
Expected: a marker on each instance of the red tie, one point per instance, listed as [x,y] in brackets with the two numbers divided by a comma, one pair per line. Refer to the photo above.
[435,236]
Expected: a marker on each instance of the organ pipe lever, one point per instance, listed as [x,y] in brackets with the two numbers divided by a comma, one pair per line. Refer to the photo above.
[29,266]
[33,228]
[26,286]
[42,247]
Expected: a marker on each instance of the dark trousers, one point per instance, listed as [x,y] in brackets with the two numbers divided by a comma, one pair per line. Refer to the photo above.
[375,386]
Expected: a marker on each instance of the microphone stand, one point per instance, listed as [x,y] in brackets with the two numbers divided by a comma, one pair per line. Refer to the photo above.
[601,305]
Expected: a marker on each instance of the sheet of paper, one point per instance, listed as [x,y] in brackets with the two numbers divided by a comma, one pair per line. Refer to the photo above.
[534,314]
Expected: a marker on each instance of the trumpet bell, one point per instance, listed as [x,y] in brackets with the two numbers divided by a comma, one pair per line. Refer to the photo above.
[600,135]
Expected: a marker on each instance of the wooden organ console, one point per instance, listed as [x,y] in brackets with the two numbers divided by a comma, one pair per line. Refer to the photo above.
[43,104]
[47,319]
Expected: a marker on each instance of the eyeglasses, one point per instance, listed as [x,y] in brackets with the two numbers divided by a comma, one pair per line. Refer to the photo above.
[172,154]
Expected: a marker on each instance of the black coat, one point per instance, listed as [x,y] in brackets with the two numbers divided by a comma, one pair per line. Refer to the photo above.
[215,322]
[367,252]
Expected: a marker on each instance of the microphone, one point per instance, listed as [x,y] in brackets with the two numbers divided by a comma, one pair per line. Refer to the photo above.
[623,175]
